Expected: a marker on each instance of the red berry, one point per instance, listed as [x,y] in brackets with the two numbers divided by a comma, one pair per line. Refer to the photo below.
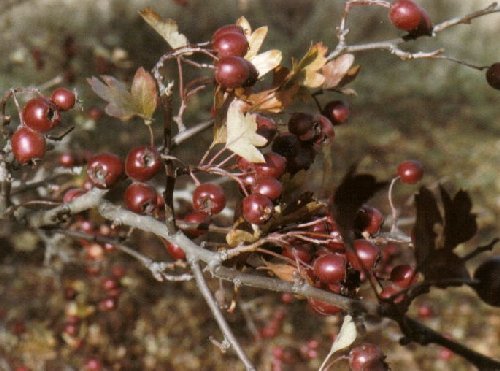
[330,268]
[300,251]
[493,75]
[274,166]
[209,198]
[40,114]
[392,291]
[300,123]
[200,218]
[142,163]
[257,209]
[323,307]
[367,255]
[93,364]
[232,72]
[63,98]
[408,16]
[367,357]
[410,171]
[174,251]
[104,170]
[110,283]
[325,128]
[337,112]
[403,275]
[268,186]
[108,304]
[266,127]
[369,219]
[140,198]
[27,145]
[230,44]
[425,311]
[228,28]
[488,277]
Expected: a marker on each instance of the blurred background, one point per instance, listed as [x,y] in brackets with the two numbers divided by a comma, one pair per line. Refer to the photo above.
[443,114]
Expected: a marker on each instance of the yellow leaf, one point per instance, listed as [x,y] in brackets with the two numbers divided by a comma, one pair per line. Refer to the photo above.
[167,28]
[236,237]
[242,137]
[255,42]
[266,61]
[282,271]
[314,78]
[243,23]
[144,93]
[334,71]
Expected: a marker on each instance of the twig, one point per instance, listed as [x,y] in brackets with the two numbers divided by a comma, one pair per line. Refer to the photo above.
[466,19]
[219,317]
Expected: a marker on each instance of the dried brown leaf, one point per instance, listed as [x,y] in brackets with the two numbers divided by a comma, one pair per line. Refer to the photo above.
[167,28]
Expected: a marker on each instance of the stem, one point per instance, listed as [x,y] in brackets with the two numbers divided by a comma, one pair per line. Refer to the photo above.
[219,317]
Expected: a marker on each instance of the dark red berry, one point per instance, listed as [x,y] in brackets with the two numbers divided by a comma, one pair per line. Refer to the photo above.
[409,16]
[257,209]
[488,285]
[266,127]
[300,251]
[300,123]
[27,145]
[268,186]
[230,44]
[209,198]
[337,112]
[391,292]
[274,166]
[228,28]
[493,75]
[367,357]
[40,114]
[403,275]
[232,72]
[410,171]
[367,255]
[174,251]
[200,218]
[67,159]
[323,307]
[425,311]
[330,268]
[326,133]
[140,198]
[63,98]
[369,219]
[104,170]
[142,163]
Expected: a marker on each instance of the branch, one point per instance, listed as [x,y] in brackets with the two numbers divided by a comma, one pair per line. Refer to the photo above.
[466,19]
[223,325]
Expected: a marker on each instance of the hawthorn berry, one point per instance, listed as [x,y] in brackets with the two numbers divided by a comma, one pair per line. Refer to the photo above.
[367,357]
[268,186]
[209,198]
[487,276]
[174,251]
[326,133]
[64,99]
[104,169]
[330,268]
[300,123]
[233,72]
[266,127]
[197,217]
[299,251]
[142,163]
[230,44]
[40,114]
[409,16]
[228,28]
[369,219]
[410,171]
[403,275]
[367,255]
[493,75]
[274,166]
[337,112]
[140,198]
[27,145]
[323,308]
[257,209]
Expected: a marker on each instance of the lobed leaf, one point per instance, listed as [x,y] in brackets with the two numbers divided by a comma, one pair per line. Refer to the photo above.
[167,28]
[120,102]
[339,72]
[266,61]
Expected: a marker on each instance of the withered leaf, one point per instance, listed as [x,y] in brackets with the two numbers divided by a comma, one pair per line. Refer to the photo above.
[144,93]
[167,28]
[335,70]
[354,191]
[307,71]
[285,272]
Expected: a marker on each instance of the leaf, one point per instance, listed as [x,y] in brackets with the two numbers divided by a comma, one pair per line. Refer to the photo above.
[242,137]
[243,23]
[144,93]
[307,69]
[424,233]
[237,237]
[167,28]
[120,102]
[346,336]
[334,71]
[460,224]
[255,41]
[266,61]
[284,272]
[354,191]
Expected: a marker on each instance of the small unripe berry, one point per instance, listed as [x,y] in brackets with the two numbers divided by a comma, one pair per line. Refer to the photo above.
[410,171]
[493,75]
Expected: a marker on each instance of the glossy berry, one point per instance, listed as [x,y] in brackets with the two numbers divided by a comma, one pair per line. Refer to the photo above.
[174,251]
[27,145]
[369,219]
[367,357]
[301,252]
[228,28]
[488,277]
[391,292]
[142,163]
[200,218]
[367,255]
[323,307]
[410,171]
[140,198]
[257,209]
[104,169]
[63,98]
[409,16]
[209,198]
[325,130]
[300,123]
[493,75]
[268,186]
[266,127]
[230,44]
[403,275]
[40,114]
[274,166]
[232,72]
[337,112]
[330,268]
